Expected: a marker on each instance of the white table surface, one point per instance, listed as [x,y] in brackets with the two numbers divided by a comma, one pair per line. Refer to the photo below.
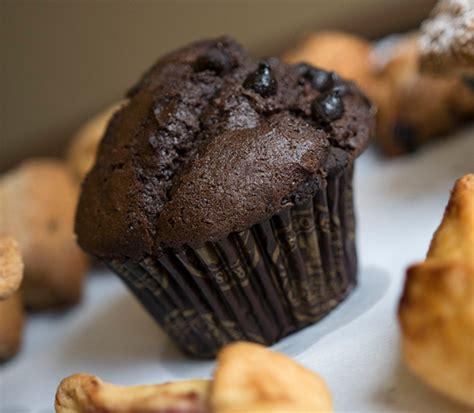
[356,348]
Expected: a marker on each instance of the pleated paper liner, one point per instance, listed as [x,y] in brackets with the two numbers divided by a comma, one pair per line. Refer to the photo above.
[260,284]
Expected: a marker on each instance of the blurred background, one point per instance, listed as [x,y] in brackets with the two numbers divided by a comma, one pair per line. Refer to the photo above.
[64,61]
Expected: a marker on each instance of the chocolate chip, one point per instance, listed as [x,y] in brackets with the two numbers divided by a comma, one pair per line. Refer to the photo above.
[327,107]
[341,89]
[405,136]
[262,80]
[215,60]
[319,79]
[303,68]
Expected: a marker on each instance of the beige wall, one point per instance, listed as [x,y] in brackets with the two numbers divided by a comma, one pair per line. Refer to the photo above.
[63,60]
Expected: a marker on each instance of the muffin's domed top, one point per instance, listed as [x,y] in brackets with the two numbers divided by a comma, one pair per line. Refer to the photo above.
[211,142]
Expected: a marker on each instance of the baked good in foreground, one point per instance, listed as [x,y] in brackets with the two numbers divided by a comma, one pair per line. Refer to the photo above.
[413,107]
[222,194]
[251,378]
[37,205]
[436,310]
[11,307]
[447,39]
[247,378]
[83,393]
[82,150]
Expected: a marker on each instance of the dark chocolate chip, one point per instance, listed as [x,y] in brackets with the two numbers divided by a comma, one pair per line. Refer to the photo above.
[302,68]
[319,79]
[215,60]
[262,80]
[341,89]
[327,107]
[405,136]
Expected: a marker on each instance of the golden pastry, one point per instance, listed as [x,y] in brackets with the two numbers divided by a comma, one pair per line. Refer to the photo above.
[11,267]
[436,310]
[11,307]
[248,378]
[344,53]
[82,150]
[83,393]
[37,207]
[251,378]
[11,325]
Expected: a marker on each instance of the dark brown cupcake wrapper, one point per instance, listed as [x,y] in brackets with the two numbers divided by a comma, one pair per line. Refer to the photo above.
[259,284]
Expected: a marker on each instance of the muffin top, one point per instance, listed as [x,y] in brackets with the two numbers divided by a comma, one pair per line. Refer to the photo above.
[212,141]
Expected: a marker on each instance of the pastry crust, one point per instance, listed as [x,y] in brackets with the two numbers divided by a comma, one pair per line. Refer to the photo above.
[248,378]
[447,39]
[83,147]
[437,307]
[11,267]
[37,207]
[11,325]
[454,239]
[83,393]
[251,378]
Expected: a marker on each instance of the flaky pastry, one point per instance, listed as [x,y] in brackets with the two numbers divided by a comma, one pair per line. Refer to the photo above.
[11,306]
[83,393]
[248,378]
[436,310]
[11,325]
[11,267]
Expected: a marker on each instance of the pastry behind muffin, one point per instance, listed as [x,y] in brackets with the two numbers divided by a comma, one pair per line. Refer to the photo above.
[37,206]
[447,39]
[413,107]
[83,147]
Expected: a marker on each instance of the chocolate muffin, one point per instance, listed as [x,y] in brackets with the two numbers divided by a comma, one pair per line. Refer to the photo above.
[222,194]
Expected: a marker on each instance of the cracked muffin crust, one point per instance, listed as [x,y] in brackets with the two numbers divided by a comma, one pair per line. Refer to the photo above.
[211,142]
[222,194]
[248,378]
[436,310]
